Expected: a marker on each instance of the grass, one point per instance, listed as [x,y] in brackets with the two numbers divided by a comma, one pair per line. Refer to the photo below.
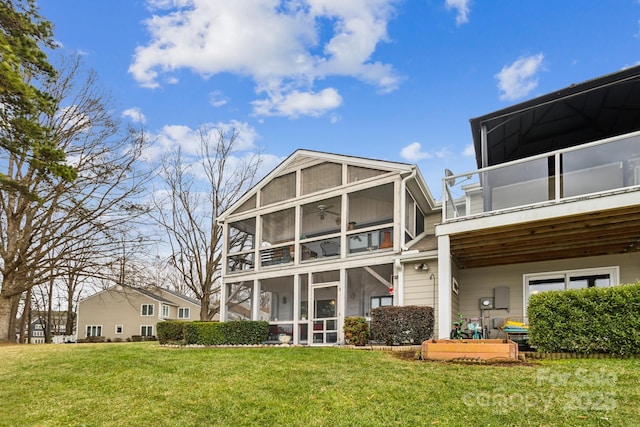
[135,384]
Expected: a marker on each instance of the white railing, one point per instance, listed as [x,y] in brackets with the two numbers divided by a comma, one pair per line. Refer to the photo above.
[587,169]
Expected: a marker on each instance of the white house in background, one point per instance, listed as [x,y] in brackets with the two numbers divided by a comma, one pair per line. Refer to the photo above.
[327,236]
[120,312]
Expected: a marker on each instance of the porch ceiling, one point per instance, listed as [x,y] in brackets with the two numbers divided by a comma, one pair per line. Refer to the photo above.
[608,232]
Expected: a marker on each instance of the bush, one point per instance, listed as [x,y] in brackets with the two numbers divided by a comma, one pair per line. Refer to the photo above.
[203,333]
[245,332]
[356,331]
[399,325]
[91,340]
[140,338]
[171,331]
[217,333]
[591,320]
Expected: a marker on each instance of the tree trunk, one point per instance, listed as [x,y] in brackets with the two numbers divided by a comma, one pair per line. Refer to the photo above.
[6,314]
[204,307]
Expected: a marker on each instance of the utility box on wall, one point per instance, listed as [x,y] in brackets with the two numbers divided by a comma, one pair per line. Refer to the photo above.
[501,298]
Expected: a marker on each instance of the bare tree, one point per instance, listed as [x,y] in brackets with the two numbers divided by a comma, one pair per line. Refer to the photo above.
[187,209]
[38,236]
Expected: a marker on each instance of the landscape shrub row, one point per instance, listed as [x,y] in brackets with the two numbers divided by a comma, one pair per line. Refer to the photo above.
[213,333]
[402,325]
[591,320]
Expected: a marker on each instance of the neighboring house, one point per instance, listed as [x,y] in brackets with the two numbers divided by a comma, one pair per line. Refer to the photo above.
[324,237]
[35,333]
[120,312]
[555,203]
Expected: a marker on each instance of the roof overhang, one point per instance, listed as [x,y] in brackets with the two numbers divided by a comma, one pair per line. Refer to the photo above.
[585,112]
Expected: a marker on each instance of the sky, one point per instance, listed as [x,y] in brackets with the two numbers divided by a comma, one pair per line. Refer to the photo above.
[393,80]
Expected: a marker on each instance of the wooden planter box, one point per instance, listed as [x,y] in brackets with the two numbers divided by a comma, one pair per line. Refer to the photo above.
[489,349]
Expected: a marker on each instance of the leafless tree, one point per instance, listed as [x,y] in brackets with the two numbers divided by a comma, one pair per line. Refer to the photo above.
[40,236]
[187,208]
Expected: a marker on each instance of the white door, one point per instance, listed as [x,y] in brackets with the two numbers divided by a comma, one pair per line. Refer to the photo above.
[324,319]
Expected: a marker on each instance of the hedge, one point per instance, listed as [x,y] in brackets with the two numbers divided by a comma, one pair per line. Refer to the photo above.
[213,333]
[399,325]
[590,320]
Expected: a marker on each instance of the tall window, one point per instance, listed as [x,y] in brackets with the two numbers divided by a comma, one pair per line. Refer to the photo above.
[146,330]
[94,330]
[574,279]
[165,310]
[184,313]
[147,310]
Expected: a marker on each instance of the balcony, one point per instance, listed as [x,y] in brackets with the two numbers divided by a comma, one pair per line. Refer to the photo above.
[588,170]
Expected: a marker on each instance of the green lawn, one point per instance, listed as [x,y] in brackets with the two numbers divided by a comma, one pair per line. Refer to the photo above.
[143,384]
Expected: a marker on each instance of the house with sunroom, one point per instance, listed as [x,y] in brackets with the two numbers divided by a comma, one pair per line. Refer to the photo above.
[120,312]
[325,236]
[553,205]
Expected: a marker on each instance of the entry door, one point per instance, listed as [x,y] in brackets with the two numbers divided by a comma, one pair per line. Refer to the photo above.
[325,315]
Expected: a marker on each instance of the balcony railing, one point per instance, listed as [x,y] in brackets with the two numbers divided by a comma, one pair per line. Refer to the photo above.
[588,169]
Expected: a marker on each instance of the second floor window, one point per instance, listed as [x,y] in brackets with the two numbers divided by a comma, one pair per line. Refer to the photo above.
[147,310]
[183,313]
[165,311]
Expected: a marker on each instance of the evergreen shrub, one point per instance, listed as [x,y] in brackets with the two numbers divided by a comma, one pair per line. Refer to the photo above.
[590,320]
[395,325]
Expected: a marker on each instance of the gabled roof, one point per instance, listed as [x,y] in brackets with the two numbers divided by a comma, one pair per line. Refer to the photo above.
[149,293]
[309,157]
[581,113]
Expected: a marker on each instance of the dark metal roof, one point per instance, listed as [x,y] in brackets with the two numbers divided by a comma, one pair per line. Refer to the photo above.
[584,112]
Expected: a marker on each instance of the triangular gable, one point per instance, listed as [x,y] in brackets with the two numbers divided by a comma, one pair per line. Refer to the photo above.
[301,159]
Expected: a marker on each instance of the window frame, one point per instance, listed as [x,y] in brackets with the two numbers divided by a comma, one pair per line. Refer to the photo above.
[119,329]
[89,329]
[182,310]
[148,312]
[166,311]
[145,329]
[567,275]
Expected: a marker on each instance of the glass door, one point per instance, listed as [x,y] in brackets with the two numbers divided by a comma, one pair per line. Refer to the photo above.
[325,314]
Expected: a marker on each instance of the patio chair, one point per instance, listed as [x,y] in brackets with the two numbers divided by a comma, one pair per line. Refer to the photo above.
[330,248]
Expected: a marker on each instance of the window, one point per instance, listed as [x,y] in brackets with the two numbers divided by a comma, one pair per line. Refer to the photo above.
[147,310]
[165,310]
[563,280]
[383,301]
[94,330]
[119,329]
[184,313]
[146,330]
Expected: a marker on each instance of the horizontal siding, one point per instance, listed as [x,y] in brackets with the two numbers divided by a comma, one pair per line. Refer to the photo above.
[480,282]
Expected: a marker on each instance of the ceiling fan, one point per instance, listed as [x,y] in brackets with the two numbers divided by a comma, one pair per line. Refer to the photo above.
[323,210]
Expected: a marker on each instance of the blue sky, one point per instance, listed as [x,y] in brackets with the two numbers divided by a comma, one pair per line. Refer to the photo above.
[387,79]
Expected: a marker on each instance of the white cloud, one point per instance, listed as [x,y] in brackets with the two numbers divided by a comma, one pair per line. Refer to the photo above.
[462,8]
[216,99]
[172,137]
[135,115]
[519,79]
[276,43]
[294,103]
[413,152]
[469,151]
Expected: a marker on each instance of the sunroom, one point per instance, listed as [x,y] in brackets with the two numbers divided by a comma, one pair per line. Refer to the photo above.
[316,241]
